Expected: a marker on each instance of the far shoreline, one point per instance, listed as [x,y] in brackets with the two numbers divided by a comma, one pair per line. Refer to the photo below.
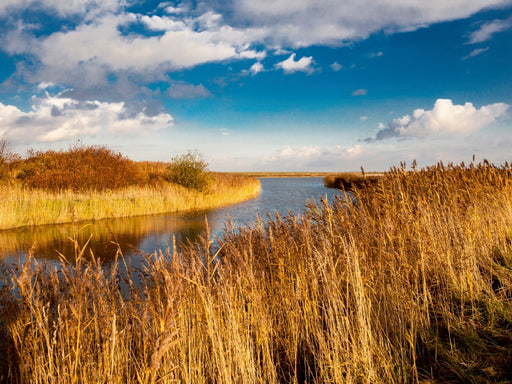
[277,174]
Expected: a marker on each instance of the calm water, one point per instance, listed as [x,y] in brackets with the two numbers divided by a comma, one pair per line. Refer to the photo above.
[150,233]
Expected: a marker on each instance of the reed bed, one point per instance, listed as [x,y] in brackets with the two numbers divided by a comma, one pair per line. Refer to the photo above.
[410,281]
[21,206]
[350,180]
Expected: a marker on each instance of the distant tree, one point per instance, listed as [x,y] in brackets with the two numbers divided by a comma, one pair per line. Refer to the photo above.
[190,170]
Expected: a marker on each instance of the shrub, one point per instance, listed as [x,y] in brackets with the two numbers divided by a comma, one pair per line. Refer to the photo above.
[190,170]
[79,169]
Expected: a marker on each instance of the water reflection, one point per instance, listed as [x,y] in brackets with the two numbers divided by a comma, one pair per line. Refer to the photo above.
[106,236]
[150,233]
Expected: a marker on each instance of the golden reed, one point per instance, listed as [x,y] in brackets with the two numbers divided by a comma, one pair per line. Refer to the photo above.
[408,280]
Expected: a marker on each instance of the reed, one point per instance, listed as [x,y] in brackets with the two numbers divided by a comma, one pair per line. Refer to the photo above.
[409,282]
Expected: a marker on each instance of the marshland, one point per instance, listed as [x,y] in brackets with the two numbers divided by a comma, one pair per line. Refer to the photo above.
[407,279]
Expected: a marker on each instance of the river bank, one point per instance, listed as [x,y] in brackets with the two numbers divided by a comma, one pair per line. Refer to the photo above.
[21,206]
[87,183]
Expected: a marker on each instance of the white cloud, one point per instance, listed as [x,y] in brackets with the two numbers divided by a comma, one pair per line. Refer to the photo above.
[256,68]
[336,66]
[187,35]
[64,7]
[363,118]
[225,132]
[312,157]
[487,30]
[174,10]
[305,22]
[298,153]
[360,92]
[157,23]
[56,118]
[45,84]
[103,44]
[290,65]
[445,117]
[475,52]
[353,151]
[100,47]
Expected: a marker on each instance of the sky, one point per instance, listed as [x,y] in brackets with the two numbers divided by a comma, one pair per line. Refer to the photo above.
[267,85]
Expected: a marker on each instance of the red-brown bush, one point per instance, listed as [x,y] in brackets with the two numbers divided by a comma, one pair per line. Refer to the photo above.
[79,169]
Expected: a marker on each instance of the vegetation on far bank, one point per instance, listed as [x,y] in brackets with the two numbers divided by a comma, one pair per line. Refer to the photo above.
[409,282]
[95,182]
[284,174]
[350,180]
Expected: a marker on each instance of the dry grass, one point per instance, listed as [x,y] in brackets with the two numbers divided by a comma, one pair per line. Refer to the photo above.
[410,282]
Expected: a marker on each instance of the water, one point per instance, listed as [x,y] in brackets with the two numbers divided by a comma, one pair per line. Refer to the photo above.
[150,233]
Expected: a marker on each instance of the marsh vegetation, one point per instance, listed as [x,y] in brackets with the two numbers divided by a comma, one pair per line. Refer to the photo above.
[410,281]
[91,183]
[348,181]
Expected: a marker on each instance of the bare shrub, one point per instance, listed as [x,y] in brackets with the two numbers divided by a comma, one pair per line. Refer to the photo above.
[7,158]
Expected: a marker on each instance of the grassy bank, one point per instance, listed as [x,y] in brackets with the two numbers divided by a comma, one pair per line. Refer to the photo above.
[20,206]
[92,183]
[411,282]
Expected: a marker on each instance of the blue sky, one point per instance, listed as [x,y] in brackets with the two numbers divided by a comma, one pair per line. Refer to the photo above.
[268,85]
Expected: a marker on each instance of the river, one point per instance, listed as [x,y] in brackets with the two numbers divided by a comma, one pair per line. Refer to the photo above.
[150,233]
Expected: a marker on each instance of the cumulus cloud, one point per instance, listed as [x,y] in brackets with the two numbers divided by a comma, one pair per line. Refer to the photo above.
[63,7]
[256,68]
[100,42]
[304,22]
[302,65]
[179,47]
[100,48]
[45,84]
[445,117]
[55,118]
[313,156]
[171,9]
[487,30]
